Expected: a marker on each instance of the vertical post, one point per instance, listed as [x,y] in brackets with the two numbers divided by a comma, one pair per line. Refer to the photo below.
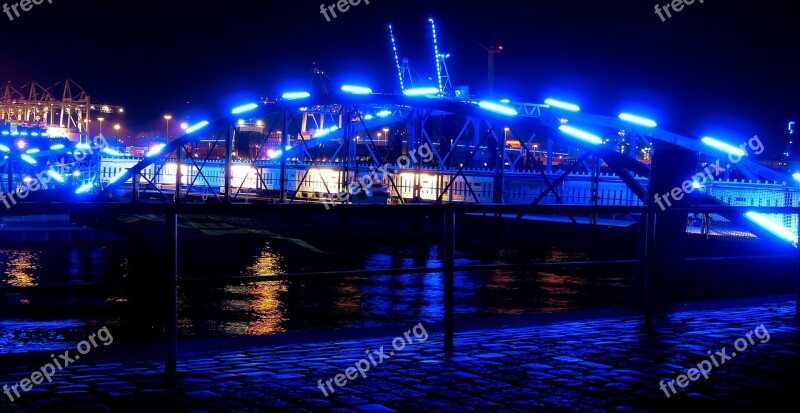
[500,164]
[284,144]
[178,175]
[449,279]
[549,155]
[647,269]
[171,281]
[135,181]
[228,161]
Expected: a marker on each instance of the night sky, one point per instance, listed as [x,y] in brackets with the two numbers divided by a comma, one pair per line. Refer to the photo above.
[723,68]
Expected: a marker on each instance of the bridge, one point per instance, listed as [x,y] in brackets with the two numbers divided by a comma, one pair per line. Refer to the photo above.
[357,146]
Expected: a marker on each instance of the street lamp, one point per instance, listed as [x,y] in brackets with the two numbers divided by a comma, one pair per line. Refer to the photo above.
[101,119]
[167,118]
[386,134]
[184,126]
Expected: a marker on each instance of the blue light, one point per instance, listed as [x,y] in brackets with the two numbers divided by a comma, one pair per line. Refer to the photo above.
[5,148]
[112,152]
[397,59]
[6,133]
[795,175]
[14,133]
[118,177]
[83,146]
[384,113]
[274,154]
[28,159]
[323,132]
[498,108]
[288,147]
[577,133]
[55,175]
[424,91]
[368,117]
[562,105]
[57,147]
[505,100]
[155,150]
[244,108]
[84,189]
[34,133]
[356,90]
[436,55]
[296,95]
[197,127]
[24,133]
[717,144]
[696,185]
[770,226]
[32,151]
[627,117]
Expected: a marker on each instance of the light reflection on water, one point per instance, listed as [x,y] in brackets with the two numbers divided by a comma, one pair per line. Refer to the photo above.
[276,306]
[18,267]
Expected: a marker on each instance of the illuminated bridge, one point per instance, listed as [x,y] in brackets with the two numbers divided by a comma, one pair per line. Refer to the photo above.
[357,146]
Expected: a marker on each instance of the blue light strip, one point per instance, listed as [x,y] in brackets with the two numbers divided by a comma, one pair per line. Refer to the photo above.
[397,59]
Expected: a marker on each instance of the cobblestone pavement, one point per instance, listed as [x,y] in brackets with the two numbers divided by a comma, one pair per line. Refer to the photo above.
[589,364]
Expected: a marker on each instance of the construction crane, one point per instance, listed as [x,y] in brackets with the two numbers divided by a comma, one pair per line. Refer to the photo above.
[442,73]
[404,68]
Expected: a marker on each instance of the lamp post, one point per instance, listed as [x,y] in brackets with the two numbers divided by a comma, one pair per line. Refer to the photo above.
[101,119]
[167,118]
[386,134]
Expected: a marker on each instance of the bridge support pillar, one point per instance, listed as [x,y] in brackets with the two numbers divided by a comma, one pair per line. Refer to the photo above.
[666,233]
[499,136]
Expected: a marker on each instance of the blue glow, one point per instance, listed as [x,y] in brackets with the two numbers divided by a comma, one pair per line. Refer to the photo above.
[244,108]
[498,108]
[5,148]
[24,133]
[627,117]
[436,55]
[6,133]
[323,132]
[577,133]
[28,159]
[368,117]
[118,177]
[32,151]
[14,133]
[396,59]
[356,90]
[423,91]
[57,147]
[111,152]
[197,127]
[85,188]
[795,175]
[296,95]
[771,226]
[55,175]
[717,144]
[562,105]
[155,150]
[505,100]
[696,185]
[274,154]
[34,133]
[288,147]
[83,146]
[384,113]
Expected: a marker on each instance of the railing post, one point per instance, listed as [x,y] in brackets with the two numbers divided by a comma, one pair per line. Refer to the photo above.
[647,269]
[135,181]
[178,175]
[228,161]
[284,144]
[171,281]
[449,279]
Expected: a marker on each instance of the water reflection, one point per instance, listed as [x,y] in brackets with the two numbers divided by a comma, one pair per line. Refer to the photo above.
[264,299]
[20,267]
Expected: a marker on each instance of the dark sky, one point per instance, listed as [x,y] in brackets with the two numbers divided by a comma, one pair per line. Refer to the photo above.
[727,68]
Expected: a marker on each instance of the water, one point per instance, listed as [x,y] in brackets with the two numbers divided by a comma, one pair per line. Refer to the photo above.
[50,319]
